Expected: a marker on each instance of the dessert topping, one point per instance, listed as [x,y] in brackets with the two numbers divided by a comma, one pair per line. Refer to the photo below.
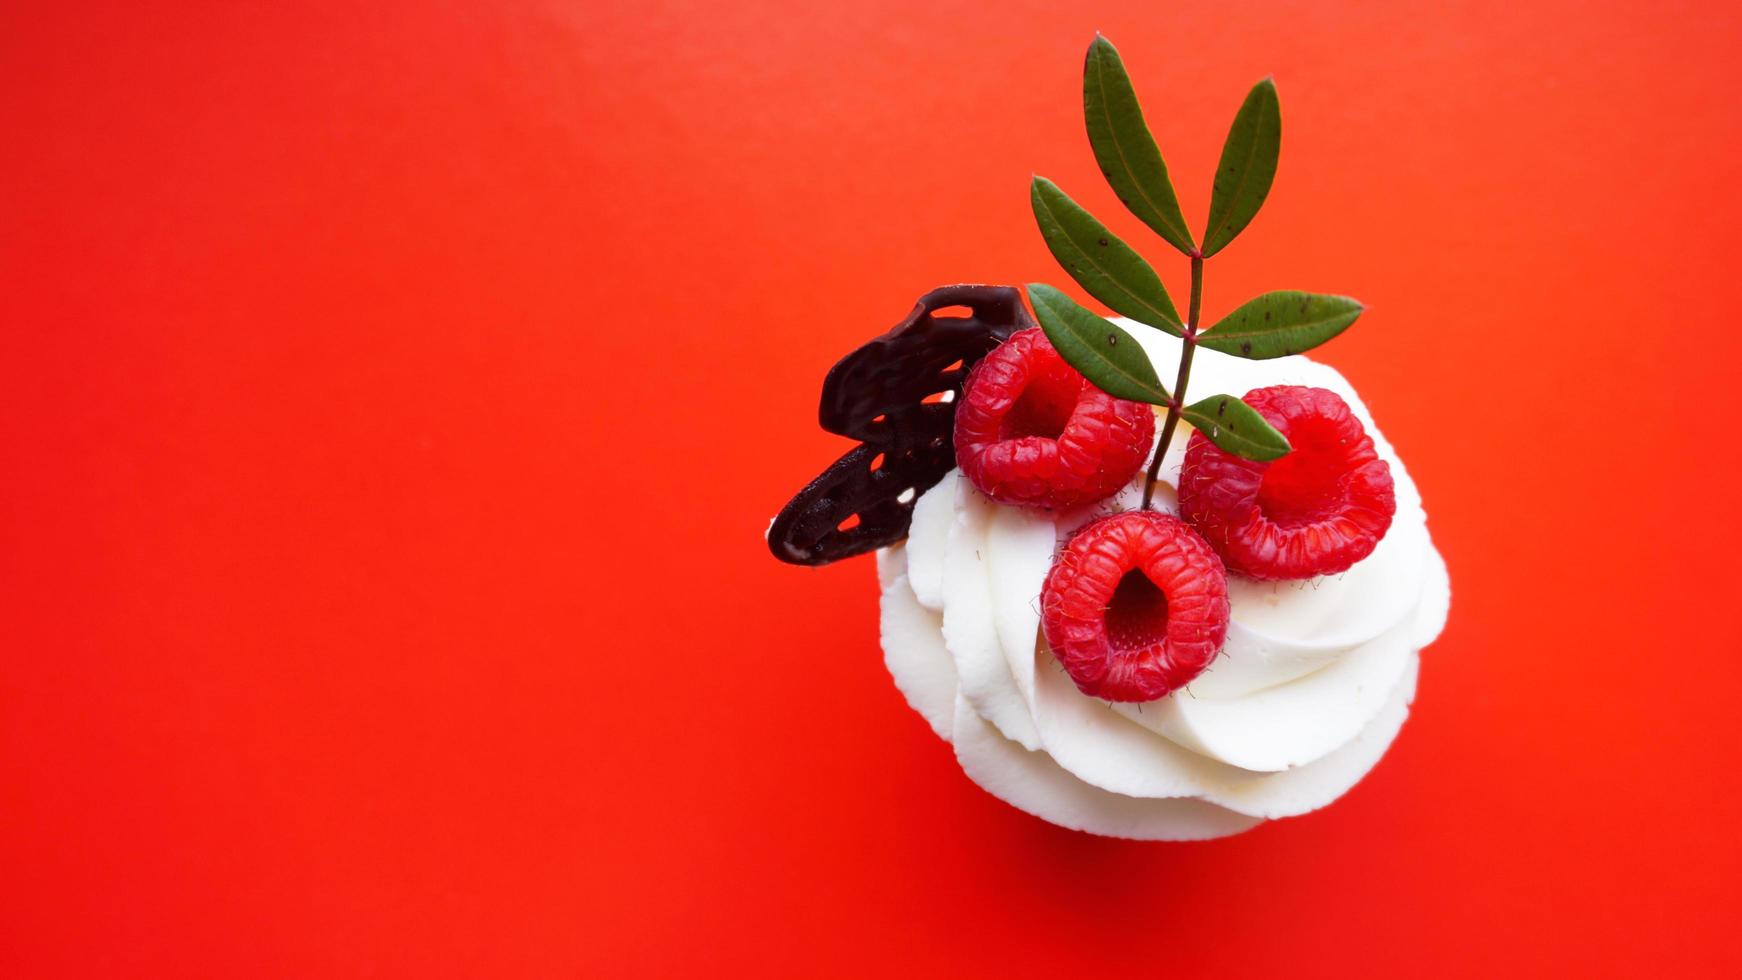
[1316,511]
[897,394]
[1031,431]
[1275,324]
[1135,607]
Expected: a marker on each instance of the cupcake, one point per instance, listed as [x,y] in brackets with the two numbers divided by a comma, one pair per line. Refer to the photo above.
[1127,611]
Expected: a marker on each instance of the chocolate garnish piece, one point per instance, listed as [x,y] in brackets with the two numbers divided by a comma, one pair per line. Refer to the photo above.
[887,394]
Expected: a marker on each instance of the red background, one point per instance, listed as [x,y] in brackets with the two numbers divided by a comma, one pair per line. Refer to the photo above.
[392,398]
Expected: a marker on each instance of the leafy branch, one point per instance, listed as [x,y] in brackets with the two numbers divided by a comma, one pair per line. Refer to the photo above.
[1275,324]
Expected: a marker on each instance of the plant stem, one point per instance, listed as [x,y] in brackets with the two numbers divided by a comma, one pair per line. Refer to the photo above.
[1177,403]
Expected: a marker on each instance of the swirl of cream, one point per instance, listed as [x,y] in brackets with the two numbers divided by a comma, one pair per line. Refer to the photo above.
[1313,683]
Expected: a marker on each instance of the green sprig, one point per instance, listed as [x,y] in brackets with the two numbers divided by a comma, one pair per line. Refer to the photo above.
[1275,324]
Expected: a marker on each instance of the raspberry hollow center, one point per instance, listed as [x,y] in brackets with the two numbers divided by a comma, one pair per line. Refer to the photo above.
[1043,409]
[1137,613]
[1306,486]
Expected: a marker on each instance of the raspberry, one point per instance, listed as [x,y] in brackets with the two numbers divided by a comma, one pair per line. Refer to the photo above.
[1136,605]
[1032,431]
[1316,511]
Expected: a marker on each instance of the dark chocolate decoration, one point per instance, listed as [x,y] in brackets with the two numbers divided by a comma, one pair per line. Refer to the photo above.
[878,395]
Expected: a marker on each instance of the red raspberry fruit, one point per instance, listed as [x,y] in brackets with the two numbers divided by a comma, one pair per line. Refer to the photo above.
[1032,431]
[1136,605]
[1316,511]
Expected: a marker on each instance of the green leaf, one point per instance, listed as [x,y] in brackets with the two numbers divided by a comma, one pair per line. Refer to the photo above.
[1095,257]
[1232,425]
[1281,323]
[1247,168]
[1123,147]
[1103,351]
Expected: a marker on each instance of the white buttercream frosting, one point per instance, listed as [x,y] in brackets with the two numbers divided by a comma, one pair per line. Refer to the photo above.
[1314,681]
